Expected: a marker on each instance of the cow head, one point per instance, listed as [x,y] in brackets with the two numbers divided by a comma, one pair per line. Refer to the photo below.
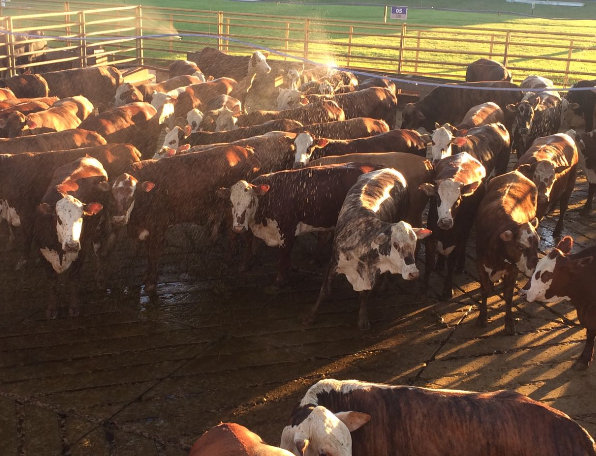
[544,178]
[325,88]
[524,113]
[158,99]
[441,142]
[245,200]
[293,76]
[194,117]
[258,63]
[127,93]
[323,433]
[172,140]
[123,195]
[226,120]
[69,213]
[305,146]
[290,98]
[412,117]
[573,117]
[396,245]
[520,246]
[199,74]
[15,124]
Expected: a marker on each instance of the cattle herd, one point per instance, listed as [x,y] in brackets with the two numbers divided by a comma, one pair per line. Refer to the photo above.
[271,150]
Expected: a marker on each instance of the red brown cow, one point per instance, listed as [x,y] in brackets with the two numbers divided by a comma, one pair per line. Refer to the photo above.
[562,275]
[182,67]
[487,70]
[409,141]
[322,111]
[46,142]
[129,93]
[7,94]
[506,238]
[231,439]
[219,64]
[27,85]
[198,95]
[551,163]
[449,103]
[56,118]
[483,114]
[389,420]
[279,206]
[359,127]
[180,189]
[49,101]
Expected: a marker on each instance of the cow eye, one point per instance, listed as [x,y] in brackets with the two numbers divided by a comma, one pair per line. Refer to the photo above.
[409,260]
[59,220]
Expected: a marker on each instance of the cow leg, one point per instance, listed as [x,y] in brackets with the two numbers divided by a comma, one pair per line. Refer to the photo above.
[588,206]
[323,293]
[448,283]
[508,285]
[564,202]
[363,321]
[249,250]
[52,308]
[285,262]
[155,245]
[583,362]
[485,288]
[430,248]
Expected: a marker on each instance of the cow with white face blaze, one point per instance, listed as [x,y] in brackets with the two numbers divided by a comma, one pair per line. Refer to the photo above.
[371,237]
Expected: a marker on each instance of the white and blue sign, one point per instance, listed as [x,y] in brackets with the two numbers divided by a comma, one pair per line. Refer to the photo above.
[399,12]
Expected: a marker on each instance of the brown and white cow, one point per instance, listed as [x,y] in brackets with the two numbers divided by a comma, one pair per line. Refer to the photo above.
[129,93]
[371,238]
[350,417]
[487,70]
[506,238]
[182,67]
[27,85]
[279,206]
[562,275]
[219,64]
[231,439]
[46,142]
[409,141]
[551,163]
[483,114]
[55,118]
[450,102]
[586,144]
[359,127]
[198,95]
[322,111]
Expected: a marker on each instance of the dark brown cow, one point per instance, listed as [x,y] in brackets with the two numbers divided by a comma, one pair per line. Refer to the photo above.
[219,64]
[586,144]
[129,93]
[27,85]
[231,439]
[560,275]
[483,114]
[359,127]
[46,142]
[582,105]
[180,189]
[389,420]
[322,111]
[97,84]
[56,118]
[279,206]
[449,103]
[378,82]
[308,148]
[487,70]
[551,163]
[197,95]
[182,67]
[506,238]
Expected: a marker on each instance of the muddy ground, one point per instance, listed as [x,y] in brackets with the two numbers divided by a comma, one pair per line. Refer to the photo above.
[138,376]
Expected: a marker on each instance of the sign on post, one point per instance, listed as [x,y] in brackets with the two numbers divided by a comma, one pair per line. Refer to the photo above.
[399,12]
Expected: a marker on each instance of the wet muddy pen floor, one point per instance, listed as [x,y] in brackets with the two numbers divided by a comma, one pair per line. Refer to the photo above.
[139,376]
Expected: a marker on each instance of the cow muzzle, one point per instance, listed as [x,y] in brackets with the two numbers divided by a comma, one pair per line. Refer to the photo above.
[298,165]
[445,223]
[72,246]
[239,229]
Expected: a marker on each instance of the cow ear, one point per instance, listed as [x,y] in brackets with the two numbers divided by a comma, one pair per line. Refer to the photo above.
[170,152]
[534,222]
[31,124]
[187,130]
[537,101]
[459,141]
[44,209]
[261,189]
[469,189]
[223,193]
[511,107]
[573,105]
[525,169]
[353,420]
[437,125]
[583,262]
[67,186]
[422,233]
[321,142]
[565,245]
[428,188]
[506,235]
[147,186]
[92,208]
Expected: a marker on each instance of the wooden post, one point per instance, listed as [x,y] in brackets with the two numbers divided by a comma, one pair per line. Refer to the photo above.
[67,20]
[402,41]
[228,34]
[10,60]
[506,50]
[287,40]
[140,54]
[306,36]
[417,52]
[385,13]
[219,30]
[350,45]
[82,41]
[172,29]
[568,64]
[492,44]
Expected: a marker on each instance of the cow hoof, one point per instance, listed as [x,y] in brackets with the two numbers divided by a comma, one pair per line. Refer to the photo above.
[51,314]
[580,365]
[363,325]
[447,294]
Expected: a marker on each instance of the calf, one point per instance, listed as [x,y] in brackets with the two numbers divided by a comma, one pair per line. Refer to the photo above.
[409,141]
[506,238]
[483,114]
[59,225]
[27,85]
[47,142]
[487,70]
[129,93]
[582,104]
[231,439]
[278,207]
[181,189]
[561,275]
[359,127]
[197,95]
[322,111]
[182,67]
[586,144]
[402,420]
[371,237]
[551,163]
[59,118]
[449,103]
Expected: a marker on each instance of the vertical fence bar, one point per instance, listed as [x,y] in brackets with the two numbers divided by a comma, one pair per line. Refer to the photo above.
[67,20]
[11,61]
[506,50]
[219,30]
[171,40]
[82,40]
[492,45]
[350,45]
[417,52]
[402,41]
[228,34]
[568,64]
[306,37]
[140,53]
[287,40]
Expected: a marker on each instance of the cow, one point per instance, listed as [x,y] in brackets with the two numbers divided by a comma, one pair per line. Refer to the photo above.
[551,163]
[219,115]
[371,238]
[450,102]
[97,84]
[27,85]
[55,118]
[129,93]
[387,420]
[156,194]
[536,82]
[59,229]
[582,104]
[506,238]
[322,111]
[47,142]
[182,67]
[197,95]
[562,275]
[83,106]
[378,82]
[14,102]
[409,141]
[487,70]
[483,114]
[24,109]
[231,439]
[455,196]
[586,144]
[279,206]
[219,64]
[536,115]
[358,127]
[7,94]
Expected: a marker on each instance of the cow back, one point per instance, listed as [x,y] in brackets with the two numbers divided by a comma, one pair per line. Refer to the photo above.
[48,142]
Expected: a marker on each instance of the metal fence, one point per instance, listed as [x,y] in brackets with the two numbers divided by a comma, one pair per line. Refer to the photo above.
[83,33]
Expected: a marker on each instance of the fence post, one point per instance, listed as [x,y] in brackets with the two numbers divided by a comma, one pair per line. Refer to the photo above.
[11,61]
[402,41]
[417,52]
[566,80]
[171,40]
[82,41]
[385,13]
[219,30]
[140,54]
[306,36]
[287,40]
[492,44]
[67,20]
[228,34]
[350,45]
[506,50]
